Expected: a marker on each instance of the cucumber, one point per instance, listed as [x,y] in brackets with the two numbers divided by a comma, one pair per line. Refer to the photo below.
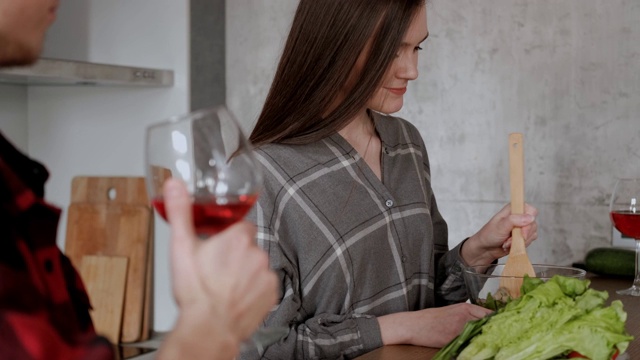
[611,261]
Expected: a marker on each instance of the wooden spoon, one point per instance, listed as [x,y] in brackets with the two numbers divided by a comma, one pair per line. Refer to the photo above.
[518,263]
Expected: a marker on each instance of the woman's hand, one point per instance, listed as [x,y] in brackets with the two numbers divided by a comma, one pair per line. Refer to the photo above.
[433,327]
[493,241]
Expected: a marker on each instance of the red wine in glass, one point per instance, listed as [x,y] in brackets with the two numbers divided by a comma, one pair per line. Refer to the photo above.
[627,222]
[212,215]
[208,152]
[624,210]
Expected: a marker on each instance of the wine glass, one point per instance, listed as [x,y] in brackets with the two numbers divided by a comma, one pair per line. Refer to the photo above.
[207,150]
[624,210]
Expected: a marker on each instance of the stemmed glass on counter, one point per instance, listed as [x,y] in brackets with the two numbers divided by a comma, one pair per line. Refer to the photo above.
[207,150]
[624,210]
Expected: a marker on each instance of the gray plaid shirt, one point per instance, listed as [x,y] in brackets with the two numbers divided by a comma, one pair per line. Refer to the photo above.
[348,247]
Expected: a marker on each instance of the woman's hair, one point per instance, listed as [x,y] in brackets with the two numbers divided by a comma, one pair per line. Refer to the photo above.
[324,43]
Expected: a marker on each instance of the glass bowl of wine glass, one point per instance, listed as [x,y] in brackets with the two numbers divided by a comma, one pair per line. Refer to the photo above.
[207,150]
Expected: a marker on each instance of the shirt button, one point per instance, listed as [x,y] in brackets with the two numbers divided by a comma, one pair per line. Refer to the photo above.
[404,259]
[389,203]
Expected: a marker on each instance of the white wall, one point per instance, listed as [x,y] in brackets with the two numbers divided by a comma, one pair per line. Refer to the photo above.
[13,115]
[100,130]
[566,73]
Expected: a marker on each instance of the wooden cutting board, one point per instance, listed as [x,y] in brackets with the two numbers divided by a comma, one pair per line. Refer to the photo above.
[147,318]
[105,278]
[111,216]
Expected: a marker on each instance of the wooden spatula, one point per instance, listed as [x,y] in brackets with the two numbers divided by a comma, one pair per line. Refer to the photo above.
[518,263]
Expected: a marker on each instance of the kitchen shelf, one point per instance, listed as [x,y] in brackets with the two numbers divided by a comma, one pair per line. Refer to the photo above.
[47,71]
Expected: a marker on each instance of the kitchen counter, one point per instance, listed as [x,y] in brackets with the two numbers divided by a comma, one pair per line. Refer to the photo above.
[631,306]
[140,350]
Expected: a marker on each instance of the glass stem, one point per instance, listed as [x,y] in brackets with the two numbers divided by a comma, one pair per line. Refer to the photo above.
[636,281]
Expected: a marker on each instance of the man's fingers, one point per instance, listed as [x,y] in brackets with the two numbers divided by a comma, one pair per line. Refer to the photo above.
[179,213]
[241,232]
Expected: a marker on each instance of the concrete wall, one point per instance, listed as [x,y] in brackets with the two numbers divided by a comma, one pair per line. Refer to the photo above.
[566,73]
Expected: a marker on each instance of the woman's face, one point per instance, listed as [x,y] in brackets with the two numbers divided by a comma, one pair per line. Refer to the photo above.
[388,98]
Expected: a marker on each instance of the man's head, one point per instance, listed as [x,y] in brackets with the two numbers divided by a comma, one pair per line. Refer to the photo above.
[23,24]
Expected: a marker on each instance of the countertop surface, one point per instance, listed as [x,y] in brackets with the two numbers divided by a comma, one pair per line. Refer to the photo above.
[410,352]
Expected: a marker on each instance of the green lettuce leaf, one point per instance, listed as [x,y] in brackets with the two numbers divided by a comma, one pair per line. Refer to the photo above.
[549,320]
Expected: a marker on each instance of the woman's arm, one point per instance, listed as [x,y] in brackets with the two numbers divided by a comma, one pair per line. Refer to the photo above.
[433,327]
[311,336]
[318,328]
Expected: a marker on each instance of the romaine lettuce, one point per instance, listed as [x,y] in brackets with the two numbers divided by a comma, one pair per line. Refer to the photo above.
[550,319]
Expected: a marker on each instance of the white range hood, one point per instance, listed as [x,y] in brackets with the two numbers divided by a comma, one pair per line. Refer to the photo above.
[48,71]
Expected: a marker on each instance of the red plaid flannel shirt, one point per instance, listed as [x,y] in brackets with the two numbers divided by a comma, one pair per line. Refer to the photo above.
[44,308]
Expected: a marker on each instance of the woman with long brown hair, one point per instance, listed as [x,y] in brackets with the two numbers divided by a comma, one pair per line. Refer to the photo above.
[347,214]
